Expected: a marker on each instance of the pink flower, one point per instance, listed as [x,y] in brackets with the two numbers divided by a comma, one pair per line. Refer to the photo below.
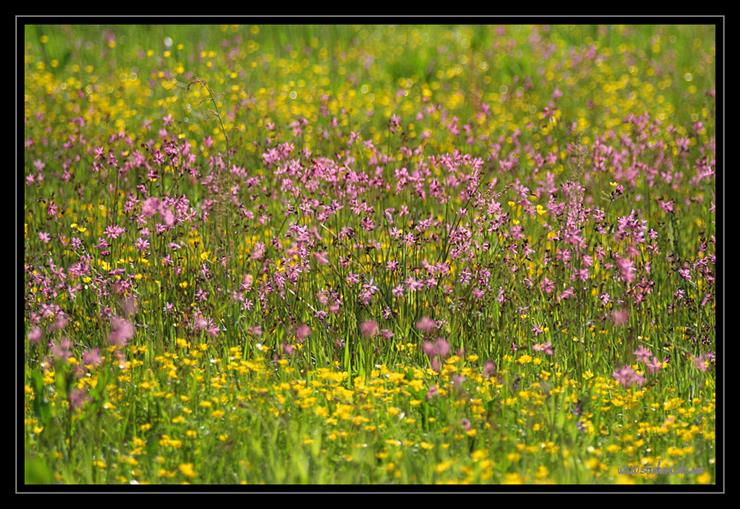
[547,285]
[567,293]
[150,207]
[620,316]
[546,348]
[702,361]
[121,331]
[654,365]
[321,258]
[302,332]
[92,357]
[130,305]
[432,392]
[168,216]
[643,354]
[666,205]
[428,348]
[439,348]
[369,328]
[628,377]
[62,349]
[426,325]
[77,398]
[685,273]
[60,322]
[436,364]
[489,369]
[442,347]
[626,269]
[34,335]
[394,123]
[201,323]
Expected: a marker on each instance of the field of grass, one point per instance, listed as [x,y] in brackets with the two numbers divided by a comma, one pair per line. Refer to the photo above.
[372,254]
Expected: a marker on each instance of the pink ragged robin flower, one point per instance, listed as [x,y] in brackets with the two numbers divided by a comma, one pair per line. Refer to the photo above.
[121,331]
[426,325]
[369,328]
[643,354]
[620,317]
[654,365]
[92,358]
[545,348]
[628,377]
[34,335]
[302,332]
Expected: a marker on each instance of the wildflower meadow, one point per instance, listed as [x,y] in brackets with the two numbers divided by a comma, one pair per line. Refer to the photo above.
[414,254]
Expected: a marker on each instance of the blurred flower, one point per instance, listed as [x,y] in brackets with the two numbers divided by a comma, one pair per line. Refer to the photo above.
[302,332]
[34,335]
[369,328]
[546,348]
[620,316]
[121,331]
[426,325]
[77,398]
[91,357]
[628,377]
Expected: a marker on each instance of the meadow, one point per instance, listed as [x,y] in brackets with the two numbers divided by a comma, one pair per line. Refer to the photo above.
[369,254]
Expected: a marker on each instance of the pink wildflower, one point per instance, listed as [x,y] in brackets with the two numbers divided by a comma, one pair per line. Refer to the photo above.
[34,335]
[426,325]
[643,354]
[121,331]
[92,357]
[302,332]
[546,348]
[369,328]
[628,377]
[620,317]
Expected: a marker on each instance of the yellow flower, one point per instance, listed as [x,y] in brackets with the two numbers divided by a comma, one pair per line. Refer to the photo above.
[513,478]
[187,470]
[443,467]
